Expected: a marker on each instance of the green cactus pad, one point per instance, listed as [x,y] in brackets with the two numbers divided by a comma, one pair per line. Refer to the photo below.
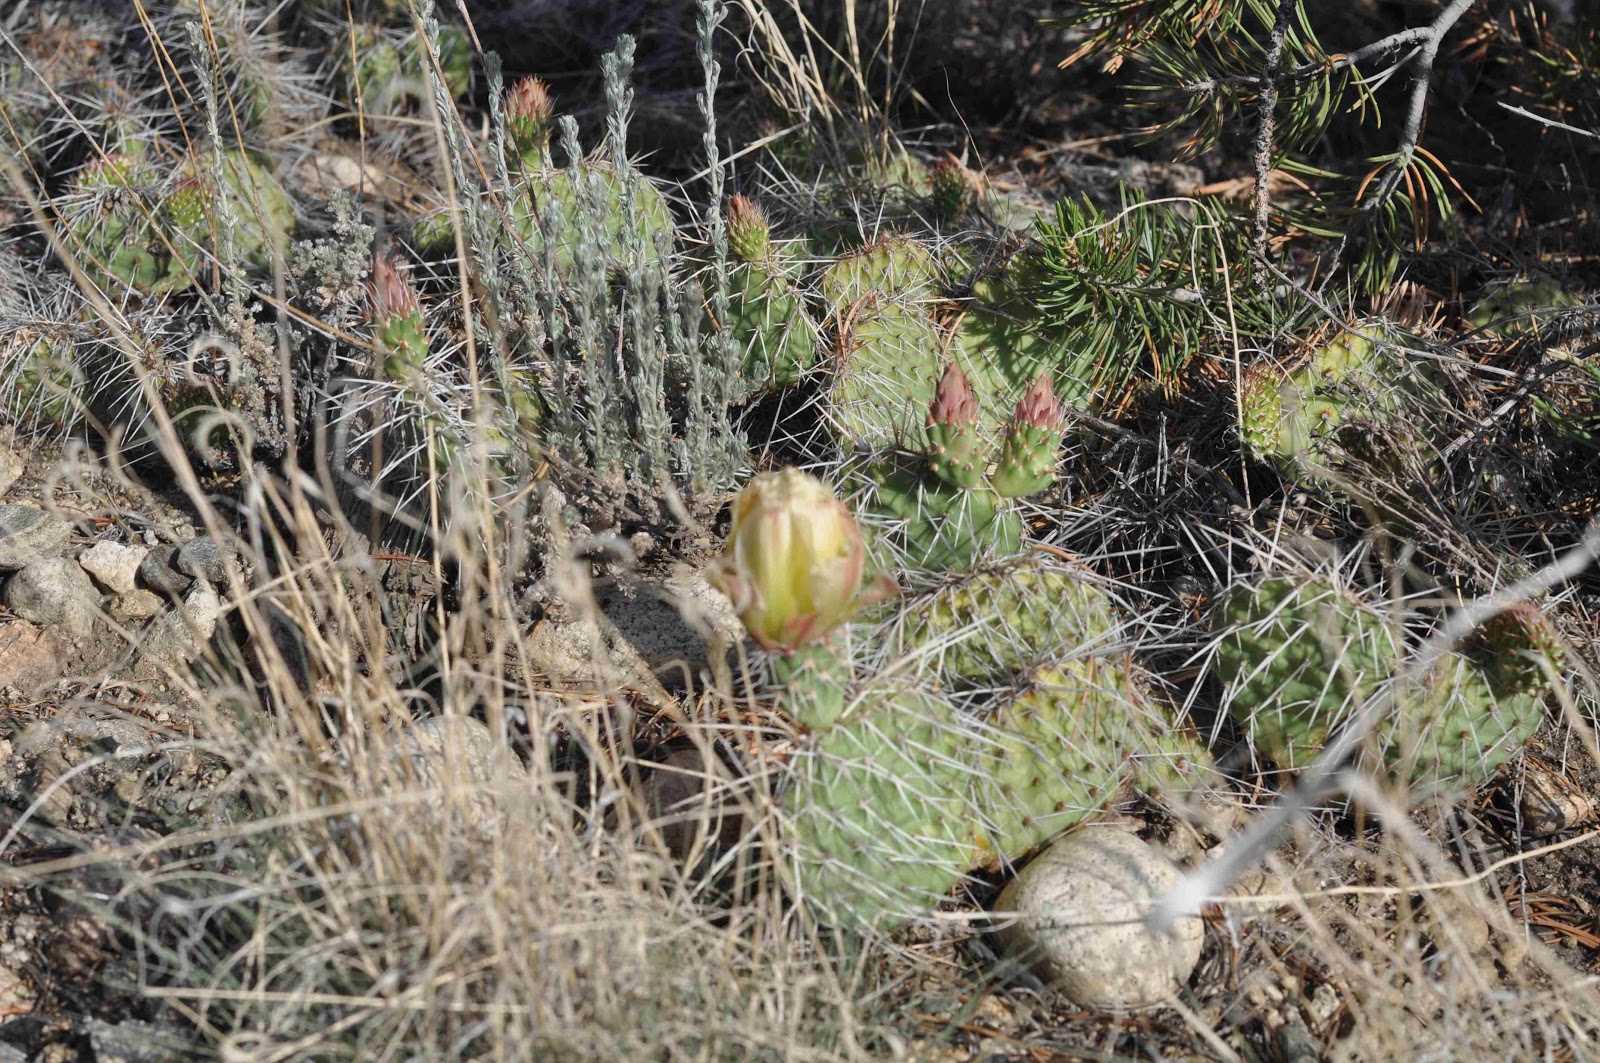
[646,226]
[990,623]
[1511,309]
[41,378]
[771,326]
[1296,658]
[885,374]
[939,527]
[879,806]
[891,271]
[1455,731]
[1057,753]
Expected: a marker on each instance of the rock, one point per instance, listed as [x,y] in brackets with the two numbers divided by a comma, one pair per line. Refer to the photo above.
[459,749]
[116,566]
[1081,906]
[206,558]
[1549,802]
[677,802]
[673,623]
[54,591]
[29,534]
[179,635]
[10,469]
[132,1041]
[159,572]
[137,604]
[30,656]
[16,996]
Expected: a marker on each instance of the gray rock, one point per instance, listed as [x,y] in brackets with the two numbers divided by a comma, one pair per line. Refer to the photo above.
[1080,909]
[206,558]
[10,469]
[673,624]
[137,604]
[446,750]
[29,534]
[179,635]
[54,591]
[116,566]
[132,1041]
[159,573]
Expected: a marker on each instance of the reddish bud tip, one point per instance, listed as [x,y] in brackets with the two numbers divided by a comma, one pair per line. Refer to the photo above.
[389,293]
[1038,407]
[954,404]
[529,99]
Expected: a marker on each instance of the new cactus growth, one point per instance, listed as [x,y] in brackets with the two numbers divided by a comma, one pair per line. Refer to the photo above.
[1518,650]
[956,453]
[529,121]
[749,235]
[991,623]
[1261,409]
[1027,463]
[1296,658]
[949,181]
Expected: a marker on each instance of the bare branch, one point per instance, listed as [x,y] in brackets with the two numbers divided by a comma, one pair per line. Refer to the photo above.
[1264,128]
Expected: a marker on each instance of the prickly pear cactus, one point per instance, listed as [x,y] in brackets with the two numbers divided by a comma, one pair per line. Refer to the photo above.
[1456,730]
[40,377]
[1060,750]
[766,312]
[1296,658]
[1512,309]
[991,623]
[879,805]
[1519,650]
[885,373]
[898,270]
[934,526]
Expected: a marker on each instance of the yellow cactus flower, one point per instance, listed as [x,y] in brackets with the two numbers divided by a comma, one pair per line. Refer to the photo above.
[794,560]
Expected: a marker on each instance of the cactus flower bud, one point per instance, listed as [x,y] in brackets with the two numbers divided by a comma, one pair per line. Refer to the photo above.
[528,114]
[954,451]
[794,560]
[749,236]
[949,181]
[398,331]
[1515,648]
[1027,462]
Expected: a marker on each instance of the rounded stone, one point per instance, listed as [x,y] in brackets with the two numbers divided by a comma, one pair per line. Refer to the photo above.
[29,534]
[54,591]
[206,558]
[1077,918]
[113,564]
[159,572]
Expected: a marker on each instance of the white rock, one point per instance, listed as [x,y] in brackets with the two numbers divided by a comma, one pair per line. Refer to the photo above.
[1080,909]
[54,591]
[113,564]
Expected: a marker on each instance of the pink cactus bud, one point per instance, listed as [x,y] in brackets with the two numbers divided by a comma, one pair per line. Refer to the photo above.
[749,235]
[1038,407]
[529,99]
[389,293]
[954,404]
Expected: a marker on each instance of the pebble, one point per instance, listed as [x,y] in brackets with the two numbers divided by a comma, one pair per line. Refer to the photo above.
[1549,802]
[1080,924]
[29,534]
[158,572]
[116,566]
[54,591]
[30,656]
[179,635]
[137,604]
[206,558]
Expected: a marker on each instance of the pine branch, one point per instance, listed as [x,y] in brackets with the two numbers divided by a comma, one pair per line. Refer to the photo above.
[1264,128]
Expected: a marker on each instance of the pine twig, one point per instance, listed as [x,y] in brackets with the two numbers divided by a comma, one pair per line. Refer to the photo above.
[1268,100]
